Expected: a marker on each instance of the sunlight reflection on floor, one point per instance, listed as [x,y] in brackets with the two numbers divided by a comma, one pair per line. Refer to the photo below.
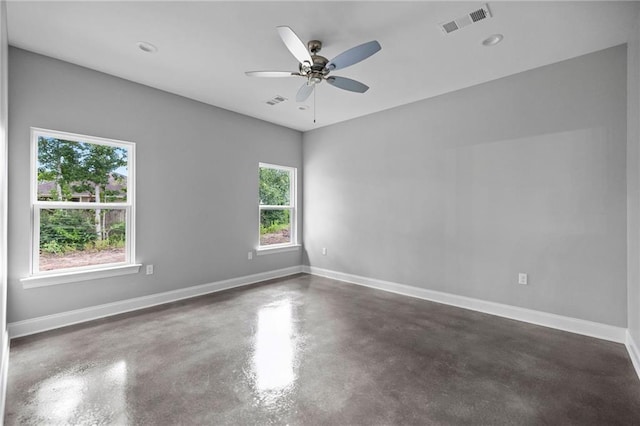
[85,395]
[274,351]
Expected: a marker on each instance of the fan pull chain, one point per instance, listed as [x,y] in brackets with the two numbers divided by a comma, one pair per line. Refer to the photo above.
[314,104]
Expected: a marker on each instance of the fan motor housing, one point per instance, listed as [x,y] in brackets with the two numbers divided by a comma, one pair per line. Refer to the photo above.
[319,63]
[319,66]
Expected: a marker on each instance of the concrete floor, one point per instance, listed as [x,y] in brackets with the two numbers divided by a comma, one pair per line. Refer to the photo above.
[309,350]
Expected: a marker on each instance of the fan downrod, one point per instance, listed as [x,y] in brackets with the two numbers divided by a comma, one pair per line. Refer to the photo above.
[314,46]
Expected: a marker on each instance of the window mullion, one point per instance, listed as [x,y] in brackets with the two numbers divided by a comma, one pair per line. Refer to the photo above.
[79,205]
[265,207]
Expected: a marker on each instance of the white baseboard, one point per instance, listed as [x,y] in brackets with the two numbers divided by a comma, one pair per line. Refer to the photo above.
[4,372]
[574,325]
[634,353]
[50,322]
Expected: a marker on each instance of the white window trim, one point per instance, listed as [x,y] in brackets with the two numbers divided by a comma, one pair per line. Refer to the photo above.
[38,278]
[277,248]
[293,199]
[71,276]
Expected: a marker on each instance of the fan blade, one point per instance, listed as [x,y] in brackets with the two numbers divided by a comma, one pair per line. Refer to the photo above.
[304,92]
[271,73]
[294,44]
[354,55]
[347,84]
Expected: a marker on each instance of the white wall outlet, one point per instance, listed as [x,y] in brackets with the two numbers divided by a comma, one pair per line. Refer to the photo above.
[522,278]
[324,251]
[149,269]
[250,255]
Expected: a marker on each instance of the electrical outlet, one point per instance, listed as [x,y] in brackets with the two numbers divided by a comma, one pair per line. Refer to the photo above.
[324,251]
[149,269]
[250,255]
[522,278]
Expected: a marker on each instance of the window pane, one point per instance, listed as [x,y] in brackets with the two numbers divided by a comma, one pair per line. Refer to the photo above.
[71,238]
[275,227]
[275,185]
[81,171]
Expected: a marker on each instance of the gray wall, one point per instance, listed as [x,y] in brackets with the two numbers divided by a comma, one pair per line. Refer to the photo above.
[197,174]
[4,46]
[633,182]
[461,192]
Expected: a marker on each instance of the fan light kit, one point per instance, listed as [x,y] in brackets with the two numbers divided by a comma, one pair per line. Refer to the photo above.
[315,68]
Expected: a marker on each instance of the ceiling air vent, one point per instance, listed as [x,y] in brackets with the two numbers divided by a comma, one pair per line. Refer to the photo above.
[276,100]
[450,26]
[475,16]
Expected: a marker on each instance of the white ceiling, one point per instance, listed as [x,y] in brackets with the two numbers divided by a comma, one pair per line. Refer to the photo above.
[204,48]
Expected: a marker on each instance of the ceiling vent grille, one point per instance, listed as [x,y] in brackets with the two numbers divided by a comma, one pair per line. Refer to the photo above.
[276,100]
[450,26]
[477,15]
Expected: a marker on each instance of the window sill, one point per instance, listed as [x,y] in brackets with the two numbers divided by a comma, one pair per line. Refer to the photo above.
[75,276]
[280,249]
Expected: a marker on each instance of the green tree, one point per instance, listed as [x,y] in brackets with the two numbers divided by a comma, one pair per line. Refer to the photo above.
[63,230]
[80,167]
[275,185]
[58,161]
[98,164]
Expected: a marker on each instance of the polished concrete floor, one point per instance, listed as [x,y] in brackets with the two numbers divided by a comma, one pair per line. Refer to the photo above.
[309,350]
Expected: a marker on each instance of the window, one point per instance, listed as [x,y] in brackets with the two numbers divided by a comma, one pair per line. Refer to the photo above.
[82,203]
[277,208]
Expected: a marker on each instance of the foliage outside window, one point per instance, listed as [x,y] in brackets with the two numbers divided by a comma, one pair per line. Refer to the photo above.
[277,209]
[82,202]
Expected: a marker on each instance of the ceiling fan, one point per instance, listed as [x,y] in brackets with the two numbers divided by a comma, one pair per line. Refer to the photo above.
[315,68]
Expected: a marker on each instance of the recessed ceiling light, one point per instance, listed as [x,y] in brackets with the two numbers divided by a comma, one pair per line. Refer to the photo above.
[492,40]
[303,107]
[145,46]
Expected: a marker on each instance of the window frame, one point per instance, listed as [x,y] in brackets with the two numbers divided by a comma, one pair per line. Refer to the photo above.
[36,206]
[292,207]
